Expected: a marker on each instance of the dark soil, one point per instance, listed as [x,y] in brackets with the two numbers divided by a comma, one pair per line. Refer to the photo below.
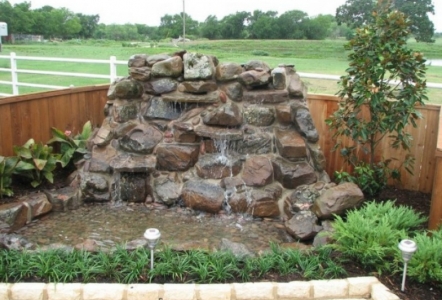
[420,202]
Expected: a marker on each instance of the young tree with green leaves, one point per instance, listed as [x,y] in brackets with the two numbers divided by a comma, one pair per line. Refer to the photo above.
[388,78]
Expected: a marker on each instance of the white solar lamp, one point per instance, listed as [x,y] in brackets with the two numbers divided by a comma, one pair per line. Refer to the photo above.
[407,247]
[152,235]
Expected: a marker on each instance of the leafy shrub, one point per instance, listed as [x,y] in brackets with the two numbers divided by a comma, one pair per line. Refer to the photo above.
[7,166]
[260,53]
[203,47]
[37,162]
[370,179]
[130,44]
[72,148]
[371,234]
[426,263]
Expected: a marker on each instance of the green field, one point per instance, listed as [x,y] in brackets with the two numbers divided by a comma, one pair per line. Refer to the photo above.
[325,57]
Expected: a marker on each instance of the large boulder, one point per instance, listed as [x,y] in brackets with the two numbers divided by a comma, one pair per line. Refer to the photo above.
[202,195]
[258,171]
[303,226]
[337,200]
[171,67]
[198,66]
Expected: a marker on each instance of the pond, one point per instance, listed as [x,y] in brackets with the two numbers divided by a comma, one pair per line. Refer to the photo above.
[181,228]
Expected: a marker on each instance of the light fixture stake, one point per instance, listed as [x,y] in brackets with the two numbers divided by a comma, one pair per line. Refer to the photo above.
[407,247]
[152,235]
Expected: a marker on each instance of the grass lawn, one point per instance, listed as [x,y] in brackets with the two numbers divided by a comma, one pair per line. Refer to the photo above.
[324,57]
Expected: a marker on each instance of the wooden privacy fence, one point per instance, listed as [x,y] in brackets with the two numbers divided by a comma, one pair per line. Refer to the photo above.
[424,144]
[32,116]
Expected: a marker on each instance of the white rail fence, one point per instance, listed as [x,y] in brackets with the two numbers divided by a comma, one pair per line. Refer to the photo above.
[14,71]
[112,62]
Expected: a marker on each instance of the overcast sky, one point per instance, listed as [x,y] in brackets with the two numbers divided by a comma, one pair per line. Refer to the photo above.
[150,11]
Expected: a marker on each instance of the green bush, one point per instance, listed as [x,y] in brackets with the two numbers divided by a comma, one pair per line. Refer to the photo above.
[370,179]
[130,44]
[260,53]
[370,235]
[72,147]
[426,263]
[7,166]
[36,162]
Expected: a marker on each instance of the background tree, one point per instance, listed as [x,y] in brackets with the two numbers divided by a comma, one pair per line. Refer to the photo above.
[22,20]
[233,26]
[210,28]
[148,32]
[43,21]
[317,28]
[100,32]
[67,23]
[172,26]
[291,24]
[62,23]
[263,25]
[88,24]
[418,10]
[388,79]
[6,10]
[356,13]
[124,32]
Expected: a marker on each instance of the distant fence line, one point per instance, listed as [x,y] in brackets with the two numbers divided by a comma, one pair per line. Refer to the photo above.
[112,62]
[14,70]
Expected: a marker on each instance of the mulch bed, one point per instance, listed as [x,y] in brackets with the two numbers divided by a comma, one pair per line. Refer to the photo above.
[420,202]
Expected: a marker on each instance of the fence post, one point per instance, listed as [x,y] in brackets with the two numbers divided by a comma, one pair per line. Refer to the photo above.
[14,77]
[113,68]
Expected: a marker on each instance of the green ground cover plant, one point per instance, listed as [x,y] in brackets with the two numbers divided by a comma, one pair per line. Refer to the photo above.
[427,263]
[197,266]
[370,236]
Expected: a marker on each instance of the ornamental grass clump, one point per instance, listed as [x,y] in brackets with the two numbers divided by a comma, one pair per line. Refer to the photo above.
[198,266]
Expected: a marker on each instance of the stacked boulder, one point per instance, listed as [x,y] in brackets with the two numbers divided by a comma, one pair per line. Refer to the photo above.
[186,129]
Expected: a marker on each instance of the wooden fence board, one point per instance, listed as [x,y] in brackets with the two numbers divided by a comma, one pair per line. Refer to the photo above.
[435,218]
[32,115]
[428,166]
[5,130]
[35,120]
[423,147]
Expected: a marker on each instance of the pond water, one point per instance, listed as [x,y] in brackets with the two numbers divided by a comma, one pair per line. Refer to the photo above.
[181,228]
